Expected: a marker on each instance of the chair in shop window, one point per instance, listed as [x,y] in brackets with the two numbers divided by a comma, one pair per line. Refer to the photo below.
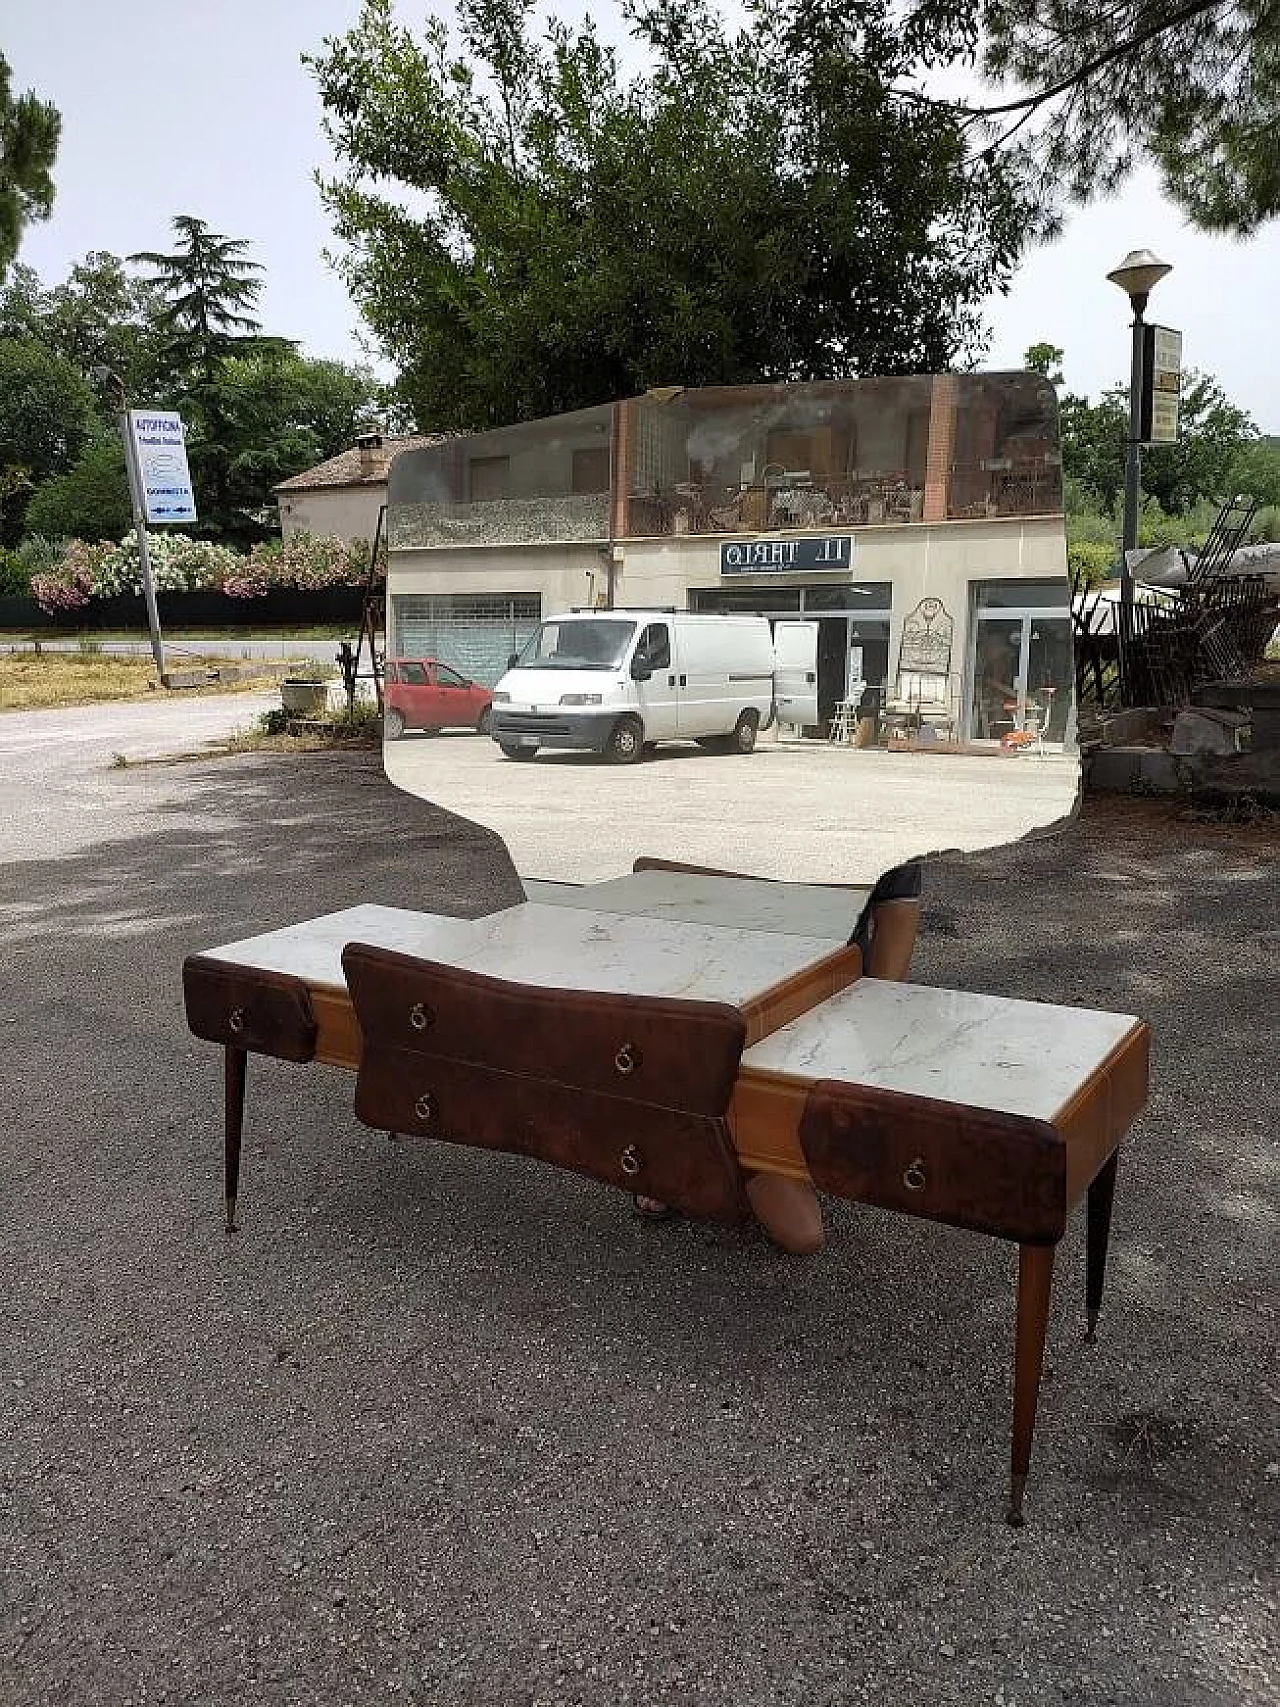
[923,693]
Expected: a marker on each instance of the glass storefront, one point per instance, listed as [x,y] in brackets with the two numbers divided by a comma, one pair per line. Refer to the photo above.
[1020,674]
[853,633]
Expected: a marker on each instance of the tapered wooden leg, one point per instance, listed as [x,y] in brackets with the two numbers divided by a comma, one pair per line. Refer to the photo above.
[236,1064]
[1098,1231]
[1035,1279]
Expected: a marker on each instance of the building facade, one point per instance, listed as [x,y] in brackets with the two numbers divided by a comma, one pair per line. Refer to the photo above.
[343,497]
[918,521]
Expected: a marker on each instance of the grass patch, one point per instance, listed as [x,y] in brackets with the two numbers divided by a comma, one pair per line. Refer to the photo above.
[278,731]
[35,681]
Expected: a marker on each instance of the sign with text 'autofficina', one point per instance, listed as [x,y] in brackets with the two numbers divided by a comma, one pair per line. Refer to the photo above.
[159,444]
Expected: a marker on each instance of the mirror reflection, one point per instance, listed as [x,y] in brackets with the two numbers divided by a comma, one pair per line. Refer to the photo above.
[804,631]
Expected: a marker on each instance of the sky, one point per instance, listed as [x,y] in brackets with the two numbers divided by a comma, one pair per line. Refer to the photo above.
[188,106]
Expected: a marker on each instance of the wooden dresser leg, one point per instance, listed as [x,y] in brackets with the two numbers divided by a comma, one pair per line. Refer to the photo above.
[1035,1279]
[1098,1231]
[236,1064]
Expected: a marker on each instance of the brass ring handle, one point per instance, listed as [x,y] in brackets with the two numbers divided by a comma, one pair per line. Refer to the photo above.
[914,1177]
[420,1016]
[236,1021]
[630,1161]
[425,1107]
[626,1060]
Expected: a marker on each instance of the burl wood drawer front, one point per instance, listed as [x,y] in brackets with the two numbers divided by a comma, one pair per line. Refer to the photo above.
[263,1013]
[970,1167]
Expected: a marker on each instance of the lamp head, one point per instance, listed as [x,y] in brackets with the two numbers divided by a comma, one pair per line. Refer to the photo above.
[1139,273]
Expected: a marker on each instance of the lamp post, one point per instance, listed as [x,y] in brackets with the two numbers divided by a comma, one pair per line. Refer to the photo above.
[1137,276]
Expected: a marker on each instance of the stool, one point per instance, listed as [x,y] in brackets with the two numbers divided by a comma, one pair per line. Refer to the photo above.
[844,722]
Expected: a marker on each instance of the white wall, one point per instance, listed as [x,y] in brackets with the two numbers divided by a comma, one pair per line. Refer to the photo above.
[346,512]
[921,559]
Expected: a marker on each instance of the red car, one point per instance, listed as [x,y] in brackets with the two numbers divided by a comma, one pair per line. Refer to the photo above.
[422,693]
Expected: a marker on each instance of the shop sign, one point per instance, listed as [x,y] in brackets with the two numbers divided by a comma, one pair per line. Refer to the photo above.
[159,449]
[1161,385]
[782,556]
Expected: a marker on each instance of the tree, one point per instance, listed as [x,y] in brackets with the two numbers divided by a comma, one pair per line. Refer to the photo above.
[1255,471]
[1191,84]
[285,413]
[1046,360]
[46,415]
[29,132]
[90,501]
[1212,432]
[527,231]
[210,290]
[100,316]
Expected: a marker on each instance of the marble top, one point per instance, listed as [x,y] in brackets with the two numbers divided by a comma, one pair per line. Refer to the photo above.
[549,947]
[1021,1058]
[740,903]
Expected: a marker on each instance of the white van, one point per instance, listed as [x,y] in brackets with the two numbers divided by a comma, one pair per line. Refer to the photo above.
[618,681]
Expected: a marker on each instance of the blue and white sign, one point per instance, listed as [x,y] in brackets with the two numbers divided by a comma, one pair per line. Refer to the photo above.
[160,459]
[782,556]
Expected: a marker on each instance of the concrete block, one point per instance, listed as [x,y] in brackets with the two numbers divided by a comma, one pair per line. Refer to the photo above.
[1206,731]
[1140,770]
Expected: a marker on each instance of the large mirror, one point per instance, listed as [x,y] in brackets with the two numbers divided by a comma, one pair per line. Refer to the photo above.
[803,631]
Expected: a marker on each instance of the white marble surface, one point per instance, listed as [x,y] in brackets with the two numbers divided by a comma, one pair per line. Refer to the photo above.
[565,948]
[1023,1058]
[794,909]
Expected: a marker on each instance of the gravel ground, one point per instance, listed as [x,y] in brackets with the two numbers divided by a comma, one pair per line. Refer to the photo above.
[444,1427]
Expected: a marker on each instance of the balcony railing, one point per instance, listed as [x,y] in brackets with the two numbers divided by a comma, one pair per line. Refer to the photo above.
[1002,486]
[785,502]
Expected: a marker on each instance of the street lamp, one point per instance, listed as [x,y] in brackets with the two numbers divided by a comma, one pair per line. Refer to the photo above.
[1137,276]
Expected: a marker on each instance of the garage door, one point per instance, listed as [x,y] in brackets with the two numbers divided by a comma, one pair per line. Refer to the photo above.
[474,633]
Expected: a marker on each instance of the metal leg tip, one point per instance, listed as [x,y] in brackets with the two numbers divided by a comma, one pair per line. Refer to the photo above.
[1015,1515]
[231,1214]
[1091,1326]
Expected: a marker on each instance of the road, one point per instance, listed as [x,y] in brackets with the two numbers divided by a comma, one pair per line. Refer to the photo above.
[793,809]
[62,787]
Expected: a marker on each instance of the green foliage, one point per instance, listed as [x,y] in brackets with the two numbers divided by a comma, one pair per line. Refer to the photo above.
[209,290]
[15,577]
[46,414]
[528,230]
[1086,90]
[1092,561]
[100,316]
[91,500]
[1215,440]
[1047,360]
[284,413]
[1255,471]
[29,133]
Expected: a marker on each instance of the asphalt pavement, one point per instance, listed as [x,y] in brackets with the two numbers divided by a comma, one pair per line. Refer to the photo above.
[444,1427]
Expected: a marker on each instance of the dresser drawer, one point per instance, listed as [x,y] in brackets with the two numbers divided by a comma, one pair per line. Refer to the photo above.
[263,1013]
[994,1173]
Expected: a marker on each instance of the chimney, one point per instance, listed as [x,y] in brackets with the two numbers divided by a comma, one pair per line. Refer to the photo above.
[369,444]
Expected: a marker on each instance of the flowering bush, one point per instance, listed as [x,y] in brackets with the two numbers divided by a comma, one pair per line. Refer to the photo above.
[308,562]
[179,564]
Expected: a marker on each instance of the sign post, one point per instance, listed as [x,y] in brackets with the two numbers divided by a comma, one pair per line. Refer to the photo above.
[155,450]
[1161,385]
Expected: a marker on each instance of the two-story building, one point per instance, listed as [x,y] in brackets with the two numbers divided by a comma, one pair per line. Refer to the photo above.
[913,519]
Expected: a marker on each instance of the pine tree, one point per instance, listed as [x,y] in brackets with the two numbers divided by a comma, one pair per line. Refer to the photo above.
[29,132]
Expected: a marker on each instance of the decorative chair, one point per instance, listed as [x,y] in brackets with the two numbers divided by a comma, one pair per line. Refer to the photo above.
[923,691]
